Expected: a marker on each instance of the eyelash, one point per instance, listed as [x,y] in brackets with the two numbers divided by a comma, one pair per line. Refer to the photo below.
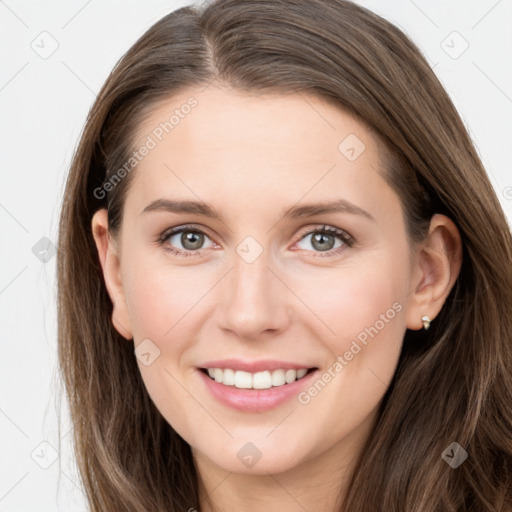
[347,239]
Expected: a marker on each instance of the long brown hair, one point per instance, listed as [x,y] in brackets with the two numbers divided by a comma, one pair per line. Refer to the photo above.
[452,384]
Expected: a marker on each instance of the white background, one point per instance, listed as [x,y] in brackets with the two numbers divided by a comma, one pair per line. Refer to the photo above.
[43,105]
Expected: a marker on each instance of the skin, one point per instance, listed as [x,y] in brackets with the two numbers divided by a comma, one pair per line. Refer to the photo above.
[251,157]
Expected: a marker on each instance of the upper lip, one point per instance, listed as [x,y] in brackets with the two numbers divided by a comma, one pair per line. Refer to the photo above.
[255,366]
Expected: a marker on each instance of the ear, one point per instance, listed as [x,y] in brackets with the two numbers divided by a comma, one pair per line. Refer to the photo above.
[436,268]
[111,267]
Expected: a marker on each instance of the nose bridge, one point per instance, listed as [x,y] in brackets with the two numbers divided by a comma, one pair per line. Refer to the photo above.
[254,300]
[251,279]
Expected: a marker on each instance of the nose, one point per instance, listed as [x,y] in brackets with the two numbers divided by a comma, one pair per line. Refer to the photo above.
[254,302]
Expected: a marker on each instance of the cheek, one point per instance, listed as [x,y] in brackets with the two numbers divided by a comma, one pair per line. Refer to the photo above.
[161,301]
[353,300]
[159,295]
[362,325]
[365,311]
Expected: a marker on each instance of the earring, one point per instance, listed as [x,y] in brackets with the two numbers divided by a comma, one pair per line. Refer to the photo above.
[426,322]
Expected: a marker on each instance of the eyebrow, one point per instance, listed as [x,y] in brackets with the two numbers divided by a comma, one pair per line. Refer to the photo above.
[295,212]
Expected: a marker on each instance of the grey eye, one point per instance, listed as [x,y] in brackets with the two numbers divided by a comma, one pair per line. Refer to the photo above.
[189,239]
[320,241]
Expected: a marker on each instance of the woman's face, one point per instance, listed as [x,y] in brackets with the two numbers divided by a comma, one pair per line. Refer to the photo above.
[249,179]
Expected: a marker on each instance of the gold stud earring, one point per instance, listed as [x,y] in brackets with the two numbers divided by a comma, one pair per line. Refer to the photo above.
[426,322]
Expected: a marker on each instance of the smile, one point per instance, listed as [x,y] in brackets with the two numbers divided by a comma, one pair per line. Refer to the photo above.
[257,392]
[259,380]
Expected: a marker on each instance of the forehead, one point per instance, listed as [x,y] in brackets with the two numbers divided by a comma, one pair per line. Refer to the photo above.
[217,142]
[213,116]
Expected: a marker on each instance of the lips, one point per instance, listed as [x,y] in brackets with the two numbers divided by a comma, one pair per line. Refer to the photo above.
[255,386]
[251,400]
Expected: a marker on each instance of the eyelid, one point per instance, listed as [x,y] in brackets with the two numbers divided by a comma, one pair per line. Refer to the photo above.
[184,227]
[324,228]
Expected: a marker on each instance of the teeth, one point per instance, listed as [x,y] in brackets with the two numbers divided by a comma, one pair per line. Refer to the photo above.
[278,378]
[258,380]
[301,373]
[290,376]
[262,380]
[228,377]
[243,380]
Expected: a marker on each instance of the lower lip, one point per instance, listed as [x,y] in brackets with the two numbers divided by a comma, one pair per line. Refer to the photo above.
[255,400]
